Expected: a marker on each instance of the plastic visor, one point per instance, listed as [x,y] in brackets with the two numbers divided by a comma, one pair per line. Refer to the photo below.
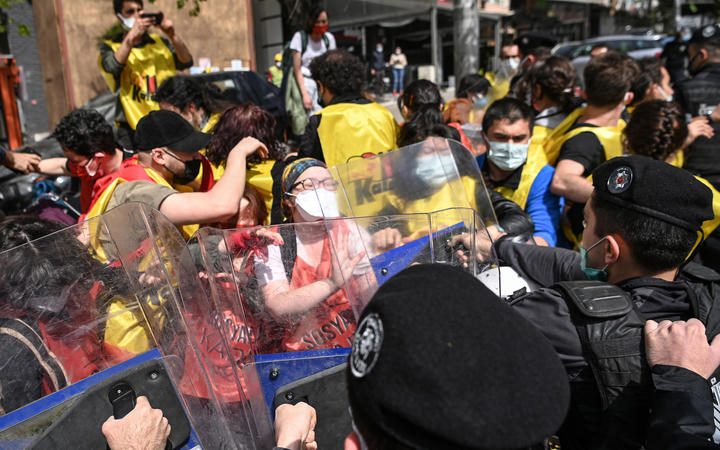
[432,175]
[142,301]
[287,299]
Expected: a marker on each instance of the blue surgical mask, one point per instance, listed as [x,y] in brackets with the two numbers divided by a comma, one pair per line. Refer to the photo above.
[592,274]
[507,156]
[479,101]
[431,169]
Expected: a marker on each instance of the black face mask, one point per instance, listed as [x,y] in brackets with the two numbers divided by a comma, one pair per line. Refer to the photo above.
[192,169]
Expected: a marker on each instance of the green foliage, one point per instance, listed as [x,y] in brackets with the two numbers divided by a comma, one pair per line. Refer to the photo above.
[194,11]
[22,29]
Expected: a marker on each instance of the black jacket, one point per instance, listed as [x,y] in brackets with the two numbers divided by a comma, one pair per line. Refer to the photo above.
[699,96]
[547,308]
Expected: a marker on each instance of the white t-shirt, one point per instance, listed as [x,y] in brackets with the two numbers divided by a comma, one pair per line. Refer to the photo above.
[274,269]
[313,49]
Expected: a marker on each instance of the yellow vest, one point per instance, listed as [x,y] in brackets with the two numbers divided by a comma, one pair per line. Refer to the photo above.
[611,138]
[259,177]
[101,204]
[499,88]
[145,70]
[217,170]
[534,164]
[349,130]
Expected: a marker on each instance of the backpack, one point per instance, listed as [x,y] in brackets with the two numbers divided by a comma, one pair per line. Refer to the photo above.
[287,53]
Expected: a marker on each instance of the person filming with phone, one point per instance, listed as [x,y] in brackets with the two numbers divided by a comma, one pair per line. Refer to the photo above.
[135,62]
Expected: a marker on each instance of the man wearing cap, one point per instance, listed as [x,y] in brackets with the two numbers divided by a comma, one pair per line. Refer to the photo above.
[168,157]
[642,222]
[438,361]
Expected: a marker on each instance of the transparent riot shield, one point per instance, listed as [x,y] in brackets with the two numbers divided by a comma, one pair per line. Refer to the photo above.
[432,175]
[86,335]
[287,298]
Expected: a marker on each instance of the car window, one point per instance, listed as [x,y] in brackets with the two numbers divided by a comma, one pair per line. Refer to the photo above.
[224,84]
[623,45]
[582,50]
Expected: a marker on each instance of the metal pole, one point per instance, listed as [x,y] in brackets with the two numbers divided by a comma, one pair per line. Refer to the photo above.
[678,15]
[498,43]
[466,33]
[434,42]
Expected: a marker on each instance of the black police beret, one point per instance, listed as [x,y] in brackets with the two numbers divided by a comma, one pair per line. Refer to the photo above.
[530,41]
[168,129]
[439,361]
[707,34]
[654,188]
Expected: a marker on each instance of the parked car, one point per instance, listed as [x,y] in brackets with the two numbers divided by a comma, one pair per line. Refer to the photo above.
[637,46]
[565,48]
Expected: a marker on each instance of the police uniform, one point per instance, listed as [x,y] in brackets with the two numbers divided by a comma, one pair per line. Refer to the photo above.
[698,96]
[349,127]
[596,327]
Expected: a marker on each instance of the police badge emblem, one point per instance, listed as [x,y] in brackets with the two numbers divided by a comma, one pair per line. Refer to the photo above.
[620,180]
[367,344]
[708,31]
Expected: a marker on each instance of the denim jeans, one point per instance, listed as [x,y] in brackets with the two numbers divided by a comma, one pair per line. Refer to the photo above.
[398,79]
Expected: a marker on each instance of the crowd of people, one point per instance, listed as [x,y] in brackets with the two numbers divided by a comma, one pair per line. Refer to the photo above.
[599,191]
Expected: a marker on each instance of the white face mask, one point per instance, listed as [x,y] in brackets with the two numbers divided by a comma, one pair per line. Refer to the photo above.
[508,68]
[316,204]
[507,156]
[668,98]
[91,173]
[431,169]
[127,22]
[379,48]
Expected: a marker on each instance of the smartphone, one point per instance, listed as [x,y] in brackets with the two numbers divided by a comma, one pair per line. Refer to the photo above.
[157,16]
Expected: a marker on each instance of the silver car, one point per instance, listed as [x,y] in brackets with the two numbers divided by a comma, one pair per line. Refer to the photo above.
[637,46]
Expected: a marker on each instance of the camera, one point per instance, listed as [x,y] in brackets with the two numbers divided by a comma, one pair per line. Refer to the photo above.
[157,16]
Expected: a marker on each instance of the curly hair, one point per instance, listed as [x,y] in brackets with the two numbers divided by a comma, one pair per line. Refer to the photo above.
[423,101]
[608,77]
[85,132]
[238,122]
[339,71]
[556,77]
[656,129]
[182,90]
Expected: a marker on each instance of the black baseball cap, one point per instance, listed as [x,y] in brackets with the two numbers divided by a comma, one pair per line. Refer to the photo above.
[168,129]
[439,361]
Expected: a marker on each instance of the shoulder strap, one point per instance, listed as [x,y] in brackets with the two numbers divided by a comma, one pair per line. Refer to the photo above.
[288,252]
[326,39]
[303,40]
[21,330]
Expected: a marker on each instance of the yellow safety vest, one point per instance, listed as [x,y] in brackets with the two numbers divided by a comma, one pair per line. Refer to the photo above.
[499,88]
[101,204]
[217,169]
[534,164]
[611,138]
[145,70]
[349,130]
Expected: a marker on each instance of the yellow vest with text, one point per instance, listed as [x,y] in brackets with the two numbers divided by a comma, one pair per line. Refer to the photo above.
[349,130]
[145,70]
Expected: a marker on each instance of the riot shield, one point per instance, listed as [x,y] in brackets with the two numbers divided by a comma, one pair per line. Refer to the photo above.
[86,336]
[432,175]
[287,299]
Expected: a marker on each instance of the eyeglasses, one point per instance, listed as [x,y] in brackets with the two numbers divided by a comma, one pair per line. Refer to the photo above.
[313,183]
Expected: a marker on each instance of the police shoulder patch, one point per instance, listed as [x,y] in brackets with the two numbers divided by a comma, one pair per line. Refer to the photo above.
[620,180]
[366,346]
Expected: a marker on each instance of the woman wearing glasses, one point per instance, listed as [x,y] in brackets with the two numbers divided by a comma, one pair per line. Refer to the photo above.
[309,283]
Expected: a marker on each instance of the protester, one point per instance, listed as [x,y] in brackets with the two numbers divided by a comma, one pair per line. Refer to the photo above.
[518,174]
[306,46]
[471,99]
[595,136]
[417,377]
[303,282]
[398,62]
[421,106]
[349,125]
[653,82]
[200,103]
[551,87]
[505,71]
[169,155]
[642,222]
[243,121]
[90,152]
[699,96]
[128,53]
[534,47]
